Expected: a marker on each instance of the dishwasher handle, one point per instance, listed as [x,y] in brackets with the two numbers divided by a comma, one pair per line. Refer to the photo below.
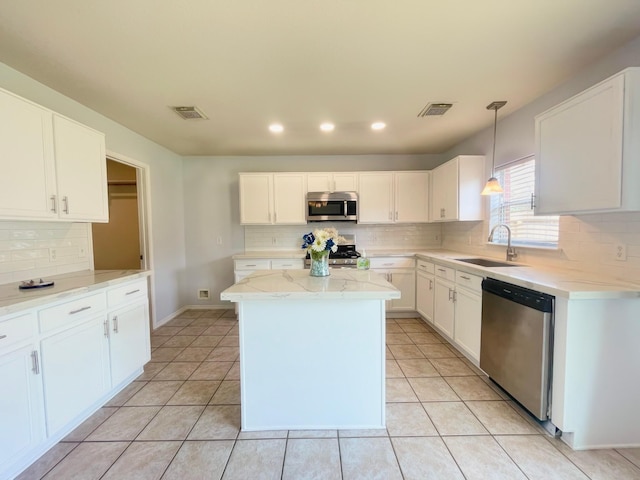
[524,296]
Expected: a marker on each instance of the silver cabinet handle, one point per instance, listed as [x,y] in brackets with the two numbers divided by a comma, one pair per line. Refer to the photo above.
[250,265]
[54,208]
[286,265]
[2,336]
[466,278]
[73,312]
[115,324]
[430,284]
[35,363]
[442,270]
[106,328]
[396,215]
[450,294]
[533,201]
[455,296]
[65,201]
[275,217]
[345,208]
[387,264]
[133,291]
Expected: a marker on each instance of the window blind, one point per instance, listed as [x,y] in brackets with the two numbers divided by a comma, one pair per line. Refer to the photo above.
[513,208]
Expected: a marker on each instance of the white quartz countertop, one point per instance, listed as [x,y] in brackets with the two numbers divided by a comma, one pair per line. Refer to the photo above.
[12,299]
[298,284]
[300,253]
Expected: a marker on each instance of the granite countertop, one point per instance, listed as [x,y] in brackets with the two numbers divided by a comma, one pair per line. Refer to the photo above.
[12,299]
[298,284]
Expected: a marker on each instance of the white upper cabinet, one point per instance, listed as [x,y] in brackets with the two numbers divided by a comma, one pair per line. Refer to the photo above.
[332,182]
[268,198]
[55,169]
[456,187]
[584,145]
[393,197]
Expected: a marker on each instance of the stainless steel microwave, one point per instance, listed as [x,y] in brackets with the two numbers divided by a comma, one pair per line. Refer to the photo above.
[332,207]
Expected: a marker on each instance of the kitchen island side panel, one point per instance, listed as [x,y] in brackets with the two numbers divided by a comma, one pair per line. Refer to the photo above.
[312,364]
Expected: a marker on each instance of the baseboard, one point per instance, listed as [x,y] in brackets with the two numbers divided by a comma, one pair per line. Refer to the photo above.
[190,307]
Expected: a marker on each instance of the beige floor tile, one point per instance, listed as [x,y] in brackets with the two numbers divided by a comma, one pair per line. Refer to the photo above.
[88,461]
[399,390]
[418,367]
[398,339]
[179,322]
[166,330]
[143,461]
[158,340]
[388,353]
[425,338]
[312,458]
[207,341]
[403,352]
[123,425]
[499,418]
[538,459]
[180,341]
[217,330]
[213,313]
[197,392]
[263,434]
[155,393]
[228,393]
[90,424]
[451,367]
[472,388]
[199,460]
[473,368]
[171,423]
[150,370]
[456,352]
[47,461]
[436,350]
[393,328]
[408,420]
[393,370]
[425,458]
[454,418]
[313,434]
[230,341]
[224,354]
[631,454]
[234,331]
[165,354]
[234,372]
[481,458]
[211,371]
[433,389]
[203,322]
[125,394]
[413,328]
[193,354]
[256,459]
[360,433]
[501,393]
[193,330]
[604,464]
[177,371]
[368,459]
[217,422]
[190,314]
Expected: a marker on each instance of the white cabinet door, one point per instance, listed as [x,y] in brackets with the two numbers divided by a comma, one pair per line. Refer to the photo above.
[444,308]
[425,284]
[21,405]
[81,172]
[445,191]
[256,201]
[129,339]
[332,182]
[289,193]
[27,182]
[320,182]
[345,182]
[405,281]
[456,187]
[468,319]
[75,371]
[411,197]
[375,197]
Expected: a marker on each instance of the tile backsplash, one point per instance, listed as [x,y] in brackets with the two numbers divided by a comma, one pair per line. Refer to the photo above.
[39,249]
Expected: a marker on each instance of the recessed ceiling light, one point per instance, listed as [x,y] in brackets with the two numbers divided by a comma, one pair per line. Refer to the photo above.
[378,125]
[327,127]
[276,128]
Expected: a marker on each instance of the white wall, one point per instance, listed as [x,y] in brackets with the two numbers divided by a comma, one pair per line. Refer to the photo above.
[167,215]
[211,202]
[586,241]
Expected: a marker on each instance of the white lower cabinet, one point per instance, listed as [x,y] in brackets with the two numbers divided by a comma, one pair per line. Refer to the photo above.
[425,290]
[400,272]
[128,333]
[443,306]
[468,320]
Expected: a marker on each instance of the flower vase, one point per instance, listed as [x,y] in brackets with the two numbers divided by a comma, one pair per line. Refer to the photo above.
[319,264]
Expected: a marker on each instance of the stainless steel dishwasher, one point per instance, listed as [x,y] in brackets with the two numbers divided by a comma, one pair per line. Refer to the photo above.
[516,342]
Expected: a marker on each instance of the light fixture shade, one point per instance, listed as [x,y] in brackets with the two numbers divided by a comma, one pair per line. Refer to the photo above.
[492,187]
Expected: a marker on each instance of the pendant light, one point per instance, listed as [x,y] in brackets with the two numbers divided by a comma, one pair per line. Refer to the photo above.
[493,186]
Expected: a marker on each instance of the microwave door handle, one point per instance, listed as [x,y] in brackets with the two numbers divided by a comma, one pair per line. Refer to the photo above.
[345,209]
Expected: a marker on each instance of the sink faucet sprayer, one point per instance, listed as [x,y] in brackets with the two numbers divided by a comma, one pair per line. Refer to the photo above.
[511,253]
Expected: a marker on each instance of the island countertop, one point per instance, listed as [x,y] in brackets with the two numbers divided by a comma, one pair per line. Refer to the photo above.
[298,284]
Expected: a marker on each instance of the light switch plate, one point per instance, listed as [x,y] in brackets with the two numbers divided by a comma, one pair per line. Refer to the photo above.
[620,252]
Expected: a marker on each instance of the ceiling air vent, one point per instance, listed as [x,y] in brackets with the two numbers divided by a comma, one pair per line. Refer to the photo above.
[433,109]
[190,113]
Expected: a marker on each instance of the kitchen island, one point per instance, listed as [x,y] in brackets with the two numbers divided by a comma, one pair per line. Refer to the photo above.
[312,349]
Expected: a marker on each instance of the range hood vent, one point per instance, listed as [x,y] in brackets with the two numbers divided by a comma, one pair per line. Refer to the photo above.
[434,109]
[190,113]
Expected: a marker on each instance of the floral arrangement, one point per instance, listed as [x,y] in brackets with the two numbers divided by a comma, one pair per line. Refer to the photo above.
[321,241]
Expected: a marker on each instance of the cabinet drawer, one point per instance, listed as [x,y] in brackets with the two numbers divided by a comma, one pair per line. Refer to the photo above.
[17,329]
[287,264]
[252,264]
[67,313]
[127,292]
[424,266]
[445,272]
[473,282]
[393,262]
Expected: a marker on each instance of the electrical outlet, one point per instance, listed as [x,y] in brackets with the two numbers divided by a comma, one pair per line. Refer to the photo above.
[53,254]
[620,252]
[82,252]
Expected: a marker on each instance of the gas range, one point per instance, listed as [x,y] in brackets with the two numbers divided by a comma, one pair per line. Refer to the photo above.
[345,257]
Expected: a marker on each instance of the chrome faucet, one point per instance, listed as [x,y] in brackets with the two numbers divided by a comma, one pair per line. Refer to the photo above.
[511,253]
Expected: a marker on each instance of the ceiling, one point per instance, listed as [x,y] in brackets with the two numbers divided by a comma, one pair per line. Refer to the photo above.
[250,63]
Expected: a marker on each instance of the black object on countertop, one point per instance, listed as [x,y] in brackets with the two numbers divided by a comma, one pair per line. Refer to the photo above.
[33,284]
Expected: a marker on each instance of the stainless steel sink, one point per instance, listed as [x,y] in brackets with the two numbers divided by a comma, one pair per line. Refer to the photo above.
[485,262]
